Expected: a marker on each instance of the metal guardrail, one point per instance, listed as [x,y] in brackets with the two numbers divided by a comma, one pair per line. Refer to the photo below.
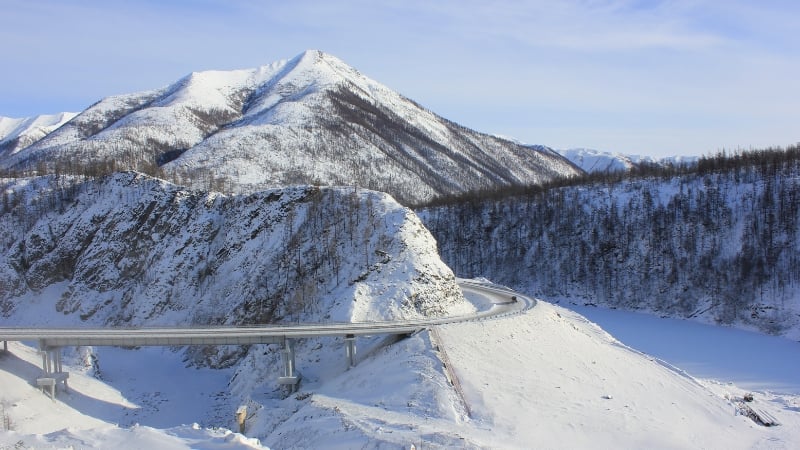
[242,335]
[52,339]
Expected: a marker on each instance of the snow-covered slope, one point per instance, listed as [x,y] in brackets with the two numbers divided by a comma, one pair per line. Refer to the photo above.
[309,120]
[132,250]
[16,134]
[715,246]
[594,161]
[544,379]
[551,379]
[95,413]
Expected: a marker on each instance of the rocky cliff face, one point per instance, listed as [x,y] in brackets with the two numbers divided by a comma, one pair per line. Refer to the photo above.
[132,250]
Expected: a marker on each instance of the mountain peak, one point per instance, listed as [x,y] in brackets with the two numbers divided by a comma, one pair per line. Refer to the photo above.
[16,134]
[322,70]
[212,89]
[311,119]
[312,55]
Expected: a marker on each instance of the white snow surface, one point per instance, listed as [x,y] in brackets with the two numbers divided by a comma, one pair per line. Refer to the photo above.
[100,414]
[548,378]
[591,160]
[143,252]
[18,133]
[749,359]
[311,119]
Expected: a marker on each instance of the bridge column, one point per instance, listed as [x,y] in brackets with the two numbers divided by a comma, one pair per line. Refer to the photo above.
[45,359]
[52,369]
[350,349]
[290,377]
[5,346]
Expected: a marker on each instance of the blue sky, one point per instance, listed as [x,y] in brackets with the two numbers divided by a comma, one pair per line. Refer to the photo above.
[644,77]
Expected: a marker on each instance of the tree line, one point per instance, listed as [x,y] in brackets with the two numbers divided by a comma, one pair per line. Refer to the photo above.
[718,239]
[766,160]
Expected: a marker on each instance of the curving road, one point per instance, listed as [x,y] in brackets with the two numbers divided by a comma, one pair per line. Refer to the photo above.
[504,302]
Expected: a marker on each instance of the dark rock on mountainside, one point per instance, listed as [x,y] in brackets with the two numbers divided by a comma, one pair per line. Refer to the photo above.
[309,120]
[132,250]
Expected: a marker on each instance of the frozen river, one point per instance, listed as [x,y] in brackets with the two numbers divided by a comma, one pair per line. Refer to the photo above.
[749,359]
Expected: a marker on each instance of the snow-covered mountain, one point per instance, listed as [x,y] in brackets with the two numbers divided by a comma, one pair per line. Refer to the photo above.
[597,161]
[131,250]
[16,134]
[592,161]
[545,379]
[719,246]
[309,120]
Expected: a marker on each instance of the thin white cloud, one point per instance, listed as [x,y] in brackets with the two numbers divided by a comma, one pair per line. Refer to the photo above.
[573,25]
[726,67]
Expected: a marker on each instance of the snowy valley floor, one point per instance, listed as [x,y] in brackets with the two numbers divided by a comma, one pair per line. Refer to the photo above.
[545,379]
[552,379]
[748,359]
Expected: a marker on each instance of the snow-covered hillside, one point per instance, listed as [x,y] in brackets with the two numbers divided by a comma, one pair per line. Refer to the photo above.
[544,379]
[592,161]
[105,412]
[719,247]
[16,134]
[308,120]
[131,250]
[597,161]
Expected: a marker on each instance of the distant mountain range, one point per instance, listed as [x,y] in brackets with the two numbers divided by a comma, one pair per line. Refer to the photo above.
[16,134]
[593,161]
[308,120]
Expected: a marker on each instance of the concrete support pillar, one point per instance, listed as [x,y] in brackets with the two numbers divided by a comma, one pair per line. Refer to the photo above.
[52,369]
[5,346]
[59,368]
[241,416]
[288,358]
[290,376]
[350,349]
[45,359]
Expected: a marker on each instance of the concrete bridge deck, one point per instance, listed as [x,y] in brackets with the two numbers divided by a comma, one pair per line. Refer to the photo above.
[52,339]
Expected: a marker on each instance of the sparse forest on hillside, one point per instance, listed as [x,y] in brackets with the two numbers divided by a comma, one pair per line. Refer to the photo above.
[717,240]
[312,120]
[129,249]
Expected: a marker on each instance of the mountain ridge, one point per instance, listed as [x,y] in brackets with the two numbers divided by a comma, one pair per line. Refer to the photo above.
[18,133]
[716,244]
[130,250]
[598,161]
[308,120]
